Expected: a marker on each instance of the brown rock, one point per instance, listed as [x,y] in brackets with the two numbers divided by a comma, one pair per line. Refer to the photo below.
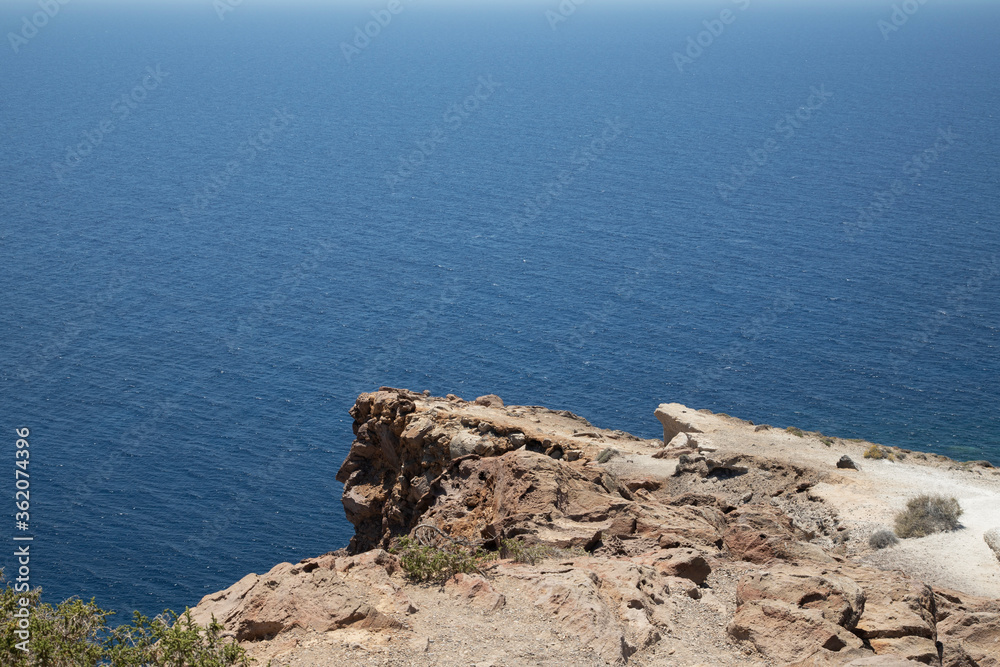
[852,658]
[490,401]
[839,599]
[614,607]
[759,533]
[897,616]
[320,594]
[481,472]
[677,418]
[969,629]
[680,441]
[686,564]
[477,591]
[914,649]
[785,632]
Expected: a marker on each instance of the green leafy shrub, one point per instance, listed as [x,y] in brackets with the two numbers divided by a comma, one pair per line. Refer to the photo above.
[881,539]
[170,640]
[827,441]
[77,634]
[421,562]
[796,431]
[928,514]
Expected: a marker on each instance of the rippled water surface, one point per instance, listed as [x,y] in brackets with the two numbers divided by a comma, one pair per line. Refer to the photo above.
[200,277]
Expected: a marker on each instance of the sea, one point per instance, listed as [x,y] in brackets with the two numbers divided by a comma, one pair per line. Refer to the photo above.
[221,221]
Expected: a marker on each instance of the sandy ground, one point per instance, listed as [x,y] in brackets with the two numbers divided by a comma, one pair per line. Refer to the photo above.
[959,559]
[869,498]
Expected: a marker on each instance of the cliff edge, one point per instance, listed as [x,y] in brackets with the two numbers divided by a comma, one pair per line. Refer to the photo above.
[725,543]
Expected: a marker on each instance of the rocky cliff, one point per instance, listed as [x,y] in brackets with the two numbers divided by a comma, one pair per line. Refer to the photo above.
[724,543]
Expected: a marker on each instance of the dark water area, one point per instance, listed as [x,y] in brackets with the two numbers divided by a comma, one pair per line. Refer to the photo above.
[218,232]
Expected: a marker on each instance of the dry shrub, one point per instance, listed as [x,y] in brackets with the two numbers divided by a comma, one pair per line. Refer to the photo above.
[879,452]
[881,539]
[607,455]
[928,514]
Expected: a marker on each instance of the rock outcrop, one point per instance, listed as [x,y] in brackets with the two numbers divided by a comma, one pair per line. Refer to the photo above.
[992,539]
[712,556]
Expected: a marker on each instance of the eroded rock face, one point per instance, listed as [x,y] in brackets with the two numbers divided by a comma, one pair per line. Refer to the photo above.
[786,632]
[636,539]
[839,599]
[615,607]
[322,594]
[968,628]
[883,611]
[677,418]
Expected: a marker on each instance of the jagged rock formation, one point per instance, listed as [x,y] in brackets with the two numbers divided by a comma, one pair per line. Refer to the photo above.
[691,550]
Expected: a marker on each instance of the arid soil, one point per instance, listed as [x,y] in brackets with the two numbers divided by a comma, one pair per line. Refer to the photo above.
[725,543]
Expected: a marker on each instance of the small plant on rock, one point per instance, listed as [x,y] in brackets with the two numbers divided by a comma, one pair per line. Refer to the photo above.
[606,455]
[520,552]
[421,562]
[927,514]
[879,452]
[796,431]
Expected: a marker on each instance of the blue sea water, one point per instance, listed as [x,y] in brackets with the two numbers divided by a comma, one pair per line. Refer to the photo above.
[477,201]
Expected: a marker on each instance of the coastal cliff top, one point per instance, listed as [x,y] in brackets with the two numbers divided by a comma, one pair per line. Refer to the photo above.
[724,543]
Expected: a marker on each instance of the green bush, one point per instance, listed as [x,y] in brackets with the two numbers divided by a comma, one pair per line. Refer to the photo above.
[796,431]
[928,514]
[429,563]
[77,634]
